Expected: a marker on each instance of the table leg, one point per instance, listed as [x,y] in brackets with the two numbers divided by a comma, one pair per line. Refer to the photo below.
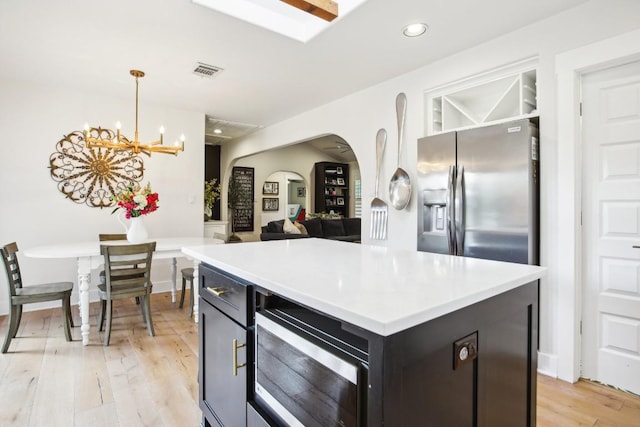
[84,279]
[173,279]
[195,288]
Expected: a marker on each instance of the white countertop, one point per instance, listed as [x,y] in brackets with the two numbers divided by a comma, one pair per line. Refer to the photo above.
[376,288]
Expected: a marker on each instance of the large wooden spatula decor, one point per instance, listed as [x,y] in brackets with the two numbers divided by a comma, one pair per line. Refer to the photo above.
[325,9]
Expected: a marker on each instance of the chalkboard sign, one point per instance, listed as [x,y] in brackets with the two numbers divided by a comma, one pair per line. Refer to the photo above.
[243,213]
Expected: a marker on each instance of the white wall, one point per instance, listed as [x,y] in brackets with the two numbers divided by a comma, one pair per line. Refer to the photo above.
[32,210]
[282,178]
[294,184]
[357,117]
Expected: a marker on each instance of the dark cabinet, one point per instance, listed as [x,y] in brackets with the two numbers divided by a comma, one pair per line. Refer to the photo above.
[415,377]
[332,188]
[223,389]
[422,384]
[225,348]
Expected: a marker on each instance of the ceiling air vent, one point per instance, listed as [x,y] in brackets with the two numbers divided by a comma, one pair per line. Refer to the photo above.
[204,70]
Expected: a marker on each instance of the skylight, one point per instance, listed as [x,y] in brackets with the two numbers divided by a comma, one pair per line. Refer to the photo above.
[278,16]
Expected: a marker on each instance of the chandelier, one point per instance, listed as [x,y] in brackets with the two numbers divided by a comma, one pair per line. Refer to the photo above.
[94,136]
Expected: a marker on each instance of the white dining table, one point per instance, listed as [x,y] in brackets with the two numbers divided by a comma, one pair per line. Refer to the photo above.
[89,258]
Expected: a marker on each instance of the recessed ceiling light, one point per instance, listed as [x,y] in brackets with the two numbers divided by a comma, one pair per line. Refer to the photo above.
[415,30]
[217,131]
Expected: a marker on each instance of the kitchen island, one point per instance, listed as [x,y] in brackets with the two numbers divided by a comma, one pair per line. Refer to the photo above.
[449,340]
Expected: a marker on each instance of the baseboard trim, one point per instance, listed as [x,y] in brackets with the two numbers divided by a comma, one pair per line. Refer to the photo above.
[548,364]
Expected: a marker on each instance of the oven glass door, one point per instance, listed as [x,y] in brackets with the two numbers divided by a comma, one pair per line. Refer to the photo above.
[304,384]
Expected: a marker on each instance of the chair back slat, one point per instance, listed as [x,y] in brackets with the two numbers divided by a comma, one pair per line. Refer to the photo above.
[129,272]
[128,260]
[127,267]
[12,268]
[108,237]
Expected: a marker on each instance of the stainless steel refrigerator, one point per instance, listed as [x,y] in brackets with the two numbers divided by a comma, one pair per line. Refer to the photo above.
[478,193]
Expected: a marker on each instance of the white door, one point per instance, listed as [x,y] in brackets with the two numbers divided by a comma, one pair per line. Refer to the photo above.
[611,226]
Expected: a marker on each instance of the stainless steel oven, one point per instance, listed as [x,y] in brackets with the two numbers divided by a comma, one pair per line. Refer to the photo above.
[308,370]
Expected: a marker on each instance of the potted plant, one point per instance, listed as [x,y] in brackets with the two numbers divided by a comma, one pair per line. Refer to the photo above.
[211,195]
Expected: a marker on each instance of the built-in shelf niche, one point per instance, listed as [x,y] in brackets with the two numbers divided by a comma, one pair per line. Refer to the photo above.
[492,100]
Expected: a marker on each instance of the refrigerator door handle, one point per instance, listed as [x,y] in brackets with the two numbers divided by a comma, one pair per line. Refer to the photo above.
[459,211]
[451,182]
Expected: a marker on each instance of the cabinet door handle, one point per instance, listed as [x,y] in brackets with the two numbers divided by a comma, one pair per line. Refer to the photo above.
[217,291]
[236,346]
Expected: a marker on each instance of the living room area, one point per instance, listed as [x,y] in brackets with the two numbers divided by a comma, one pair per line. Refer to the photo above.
[314,184]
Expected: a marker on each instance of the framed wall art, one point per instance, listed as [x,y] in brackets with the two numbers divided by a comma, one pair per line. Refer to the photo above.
[270,187]
[92,175]
[270,204]
[243,210]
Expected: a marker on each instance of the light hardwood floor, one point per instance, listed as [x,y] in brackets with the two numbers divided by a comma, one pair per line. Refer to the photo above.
[143,381]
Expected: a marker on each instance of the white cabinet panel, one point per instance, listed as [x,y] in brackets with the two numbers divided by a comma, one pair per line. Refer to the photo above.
[486,101]
[619,333]
[217,229]
[619,275]
[619,219]
[620,161]
[621,103]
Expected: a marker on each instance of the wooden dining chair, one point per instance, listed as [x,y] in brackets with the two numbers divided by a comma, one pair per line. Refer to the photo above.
[110,238]
[127,274]
[19,295]
[187,276]
[106,238]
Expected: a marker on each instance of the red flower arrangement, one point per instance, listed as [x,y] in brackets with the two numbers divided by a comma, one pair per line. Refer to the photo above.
[136,200]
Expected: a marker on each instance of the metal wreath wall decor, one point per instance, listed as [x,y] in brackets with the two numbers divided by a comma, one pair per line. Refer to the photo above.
[93,175]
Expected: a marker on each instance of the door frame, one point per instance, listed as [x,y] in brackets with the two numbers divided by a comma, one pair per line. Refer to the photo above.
[570,66]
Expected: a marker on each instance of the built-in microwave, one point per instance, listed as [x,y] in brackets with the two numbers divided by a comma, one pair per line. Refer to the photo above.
[308,370]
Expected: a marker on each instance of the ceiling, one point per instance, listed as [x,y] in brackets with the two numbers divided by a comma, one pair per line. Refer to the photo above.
[333,146]
[266,77]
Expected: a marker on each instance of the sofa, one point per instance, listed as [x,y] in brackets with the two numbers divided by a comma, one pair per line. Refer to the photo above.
[343,229]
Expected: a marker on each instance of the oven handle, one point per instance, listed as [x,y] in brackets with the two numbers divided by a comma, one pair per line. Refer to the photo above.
[236,346]
[348,371]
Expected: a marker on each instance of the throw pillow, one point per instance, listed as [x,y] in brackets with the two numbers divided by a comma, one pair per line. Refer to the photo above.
[275,226]
[301,227]
[289,228]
